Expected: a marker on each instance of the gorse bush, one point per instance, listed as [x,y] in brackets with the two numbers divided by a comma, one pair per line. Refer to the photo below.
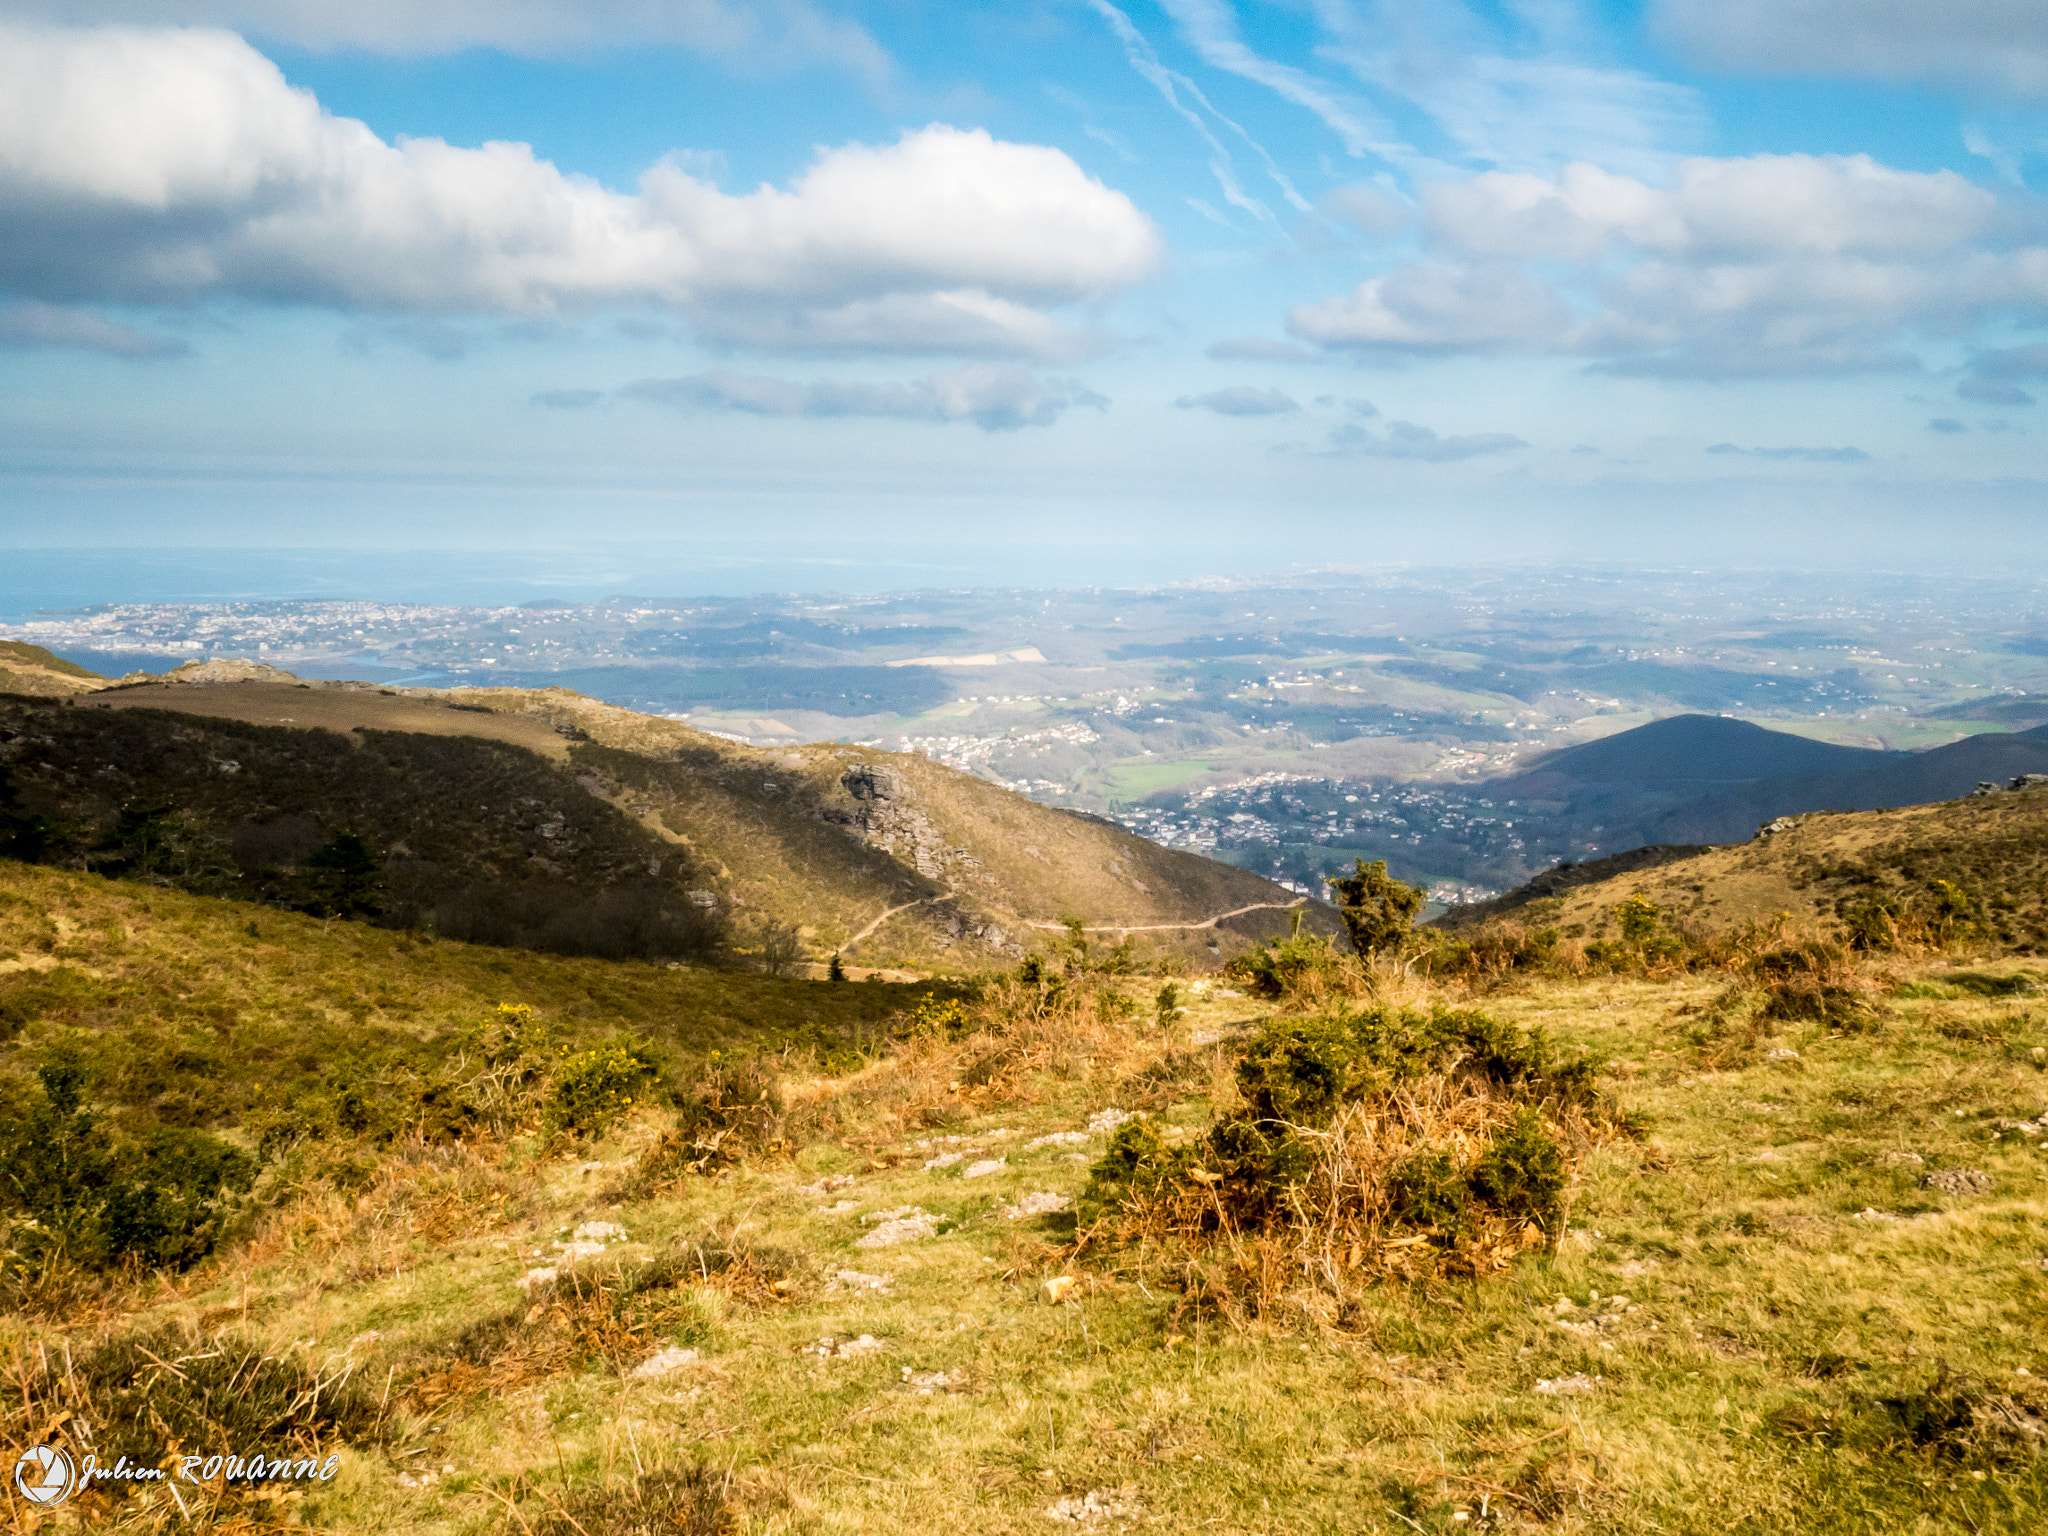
[1367,1143]
[590,1089]
[78,1194]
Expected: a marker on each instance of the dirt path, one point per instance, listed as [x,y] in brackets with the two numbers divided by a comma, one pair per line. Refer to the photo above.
[889,912]
[1207,922]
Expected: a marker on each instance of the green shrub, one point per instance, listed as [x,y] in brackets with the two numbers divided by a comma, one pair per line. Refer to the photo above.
[1377,909]
[590,1089]
[1301,1071]
[1523,1174]
[1429,1191]
[162,1205]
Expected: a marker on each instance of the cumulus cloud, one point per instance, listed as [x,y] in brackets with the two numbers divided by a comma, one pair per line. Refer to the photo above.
[1947,426]
[1241,400]
[164,166]
[1405,440]
[1997,44]
[30,324]
[994,399]
[1804,455]
[1763,265]
[760,32]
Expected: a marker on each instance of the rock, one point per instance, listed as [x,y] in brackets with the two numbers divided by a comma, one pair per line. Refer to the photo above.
[829,1348]
[854,1280]
[943,1160]
[906,1224]
[1042,1203]
[572,1252]
[986,1166]
[534,1279]
[1578,1384]
[665,1363]
[839,1208]
[585,1170]
[1867,1214]
[1103,1121]
[1904,1159]
[599,1231]
[1958,1181]
[831,1184]
[1055,1290]
[1093,1507]
[925,1383]
[1059,1139]
[1782,1053]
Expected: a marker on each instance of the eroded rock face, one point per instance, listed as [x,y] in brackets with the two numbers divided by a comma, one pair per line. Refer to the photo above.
[887,817]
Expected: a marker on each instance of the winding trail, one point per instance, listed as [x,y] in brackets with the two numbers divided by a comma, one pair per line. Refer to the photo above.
[1207,922]
[889,912]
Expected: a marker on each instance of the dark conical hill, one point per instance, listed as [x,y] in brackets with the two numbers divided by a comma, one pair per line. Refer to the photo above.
[1702,748]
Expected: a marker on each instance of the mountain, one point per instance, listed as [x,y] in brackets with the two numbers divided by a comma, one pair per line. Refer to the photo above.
[1819,868]
[1704,779]
[1693,750]
[1905,778]
[546,819]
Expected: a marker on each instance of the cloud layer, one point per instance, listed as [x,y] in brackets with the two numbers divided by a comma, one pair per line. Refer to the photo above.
[1241,400]
[161,166]
[1764,265]
[761,32]
[1999,44]
[994,399]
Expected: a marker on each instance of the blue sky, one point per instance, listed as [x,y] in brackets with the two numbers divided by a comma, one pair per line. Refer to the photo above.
[1109,291]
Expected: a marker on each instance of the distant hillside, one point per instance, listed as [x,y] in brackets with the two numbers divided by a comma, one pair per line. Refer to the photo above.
[1706,779]
[1904,778]
[1820,868]
[29,669]
[1696,749]
[892,858]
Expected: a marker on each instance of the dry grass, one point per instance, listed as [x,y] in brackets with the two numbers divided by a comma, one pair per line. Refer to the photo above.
[1758,1319]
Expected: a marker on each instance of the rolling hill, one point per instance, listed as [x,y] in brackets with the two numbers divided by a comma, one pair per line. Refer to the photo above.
[1693,779]
[1819,868]
[502,814]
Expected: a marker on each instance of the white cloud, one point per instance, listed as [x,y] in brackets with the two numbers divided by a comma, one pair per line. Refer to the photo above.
[1261,349]
[1998,44]
[995,399]
[1524,90]
[760,32]
[1241,400]
[1764,265]
[1796,455]
[1211,30]
[1405,440]
[165,166]
[30,324]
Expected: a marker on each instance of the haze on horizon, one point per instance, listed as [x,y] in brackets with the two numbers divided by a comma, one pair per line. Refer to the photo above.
[1072,291]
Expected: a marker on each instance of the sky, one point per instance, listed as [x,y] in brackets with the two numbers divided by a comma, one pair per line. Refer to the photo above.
[1064,291]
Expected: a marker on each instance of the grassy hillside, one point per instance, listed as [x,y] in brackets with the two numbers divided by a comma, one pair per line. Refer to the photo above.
[891,857]
[1794,1283]
[467,836]
[1826,870]
[29,669]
